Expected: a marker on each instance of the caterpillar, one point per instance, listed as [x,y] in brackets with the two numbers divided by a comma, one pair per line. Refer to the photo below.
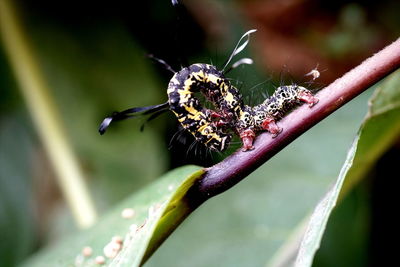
[215,128]
[263,117]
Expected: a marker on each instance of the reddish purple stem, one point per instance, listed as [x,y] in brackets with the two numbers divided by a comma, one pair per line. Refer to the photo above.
[234,168]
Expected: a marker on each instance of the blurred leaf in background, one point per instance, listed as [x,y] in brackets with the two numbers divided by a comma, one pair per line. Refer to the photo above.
[92,70]
[18,230]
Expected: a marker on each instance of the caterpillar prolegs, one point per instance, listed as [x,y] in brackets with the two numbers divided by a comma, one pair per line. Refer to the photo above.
[215,128]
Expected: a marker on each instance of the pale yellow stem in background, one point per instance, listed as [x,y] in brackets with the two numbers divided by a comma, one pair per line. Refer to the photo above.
[45,117]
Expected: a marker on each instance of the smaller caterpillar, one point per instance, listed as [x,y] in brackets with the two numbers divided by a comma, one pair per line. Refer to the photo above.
[214,128]
[263,117]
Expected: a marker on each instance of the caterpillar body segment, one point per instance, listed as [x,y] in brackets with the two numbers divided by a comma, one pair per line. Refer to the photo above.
[207,80]
[205,125]
[285,98]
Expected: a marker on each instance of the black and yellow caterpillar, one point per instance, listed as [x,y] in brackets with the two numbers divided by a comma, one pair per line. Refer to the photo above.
[199,121]
[214,128]
[231,112]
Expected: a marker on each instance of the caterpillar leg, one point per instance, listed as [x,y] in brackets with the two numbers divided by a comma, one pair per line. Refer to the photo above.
[215,115]
[223,120]
[269,124]
[307,97]
[247,137]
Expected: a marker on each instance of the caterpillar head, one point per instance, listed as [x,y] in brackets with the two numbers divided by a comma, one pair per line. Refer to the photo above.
[305,95]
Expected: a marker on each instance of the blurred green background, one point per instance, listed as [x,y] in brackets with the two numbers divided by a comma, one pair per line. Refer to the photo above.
[93,58]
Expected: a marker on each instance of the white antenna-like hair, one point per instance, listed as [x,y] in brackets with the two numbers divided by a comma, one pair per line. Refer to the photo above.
[245,60]
[239,47]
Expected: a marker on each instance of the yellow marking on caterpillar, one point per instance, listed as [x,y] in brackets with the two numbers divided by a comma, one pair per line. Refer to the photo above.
[203,128]
[191,110]
[212,78]
[180,119]
[213,136]
[197,116]
[200,75]
[184,97]
[229,98]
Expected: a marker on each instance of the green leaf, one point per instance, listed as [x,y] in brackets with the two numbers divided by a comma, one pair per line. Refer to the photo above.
[158,209]
[18,234]
[378,132]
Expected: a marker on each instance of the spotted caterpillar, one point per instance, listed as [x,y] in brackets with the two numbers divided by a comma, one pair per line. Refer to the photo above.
[214,128]
[250,120]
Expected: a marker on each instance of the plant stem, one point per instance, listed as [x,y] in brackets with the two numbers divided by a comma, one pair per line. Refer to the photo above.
[45,116]
[234,168]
